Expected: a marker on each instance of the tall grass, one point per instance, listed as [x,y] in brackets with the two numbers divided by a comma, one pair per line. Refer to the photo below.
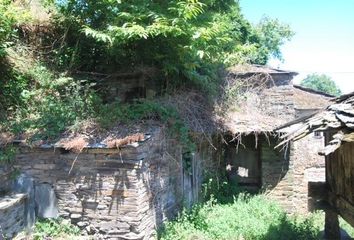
[248,217]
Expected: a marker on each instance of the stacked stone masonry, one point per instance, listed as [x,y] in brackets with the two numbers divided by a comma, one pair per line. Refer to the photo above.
[111,193]
[12,212]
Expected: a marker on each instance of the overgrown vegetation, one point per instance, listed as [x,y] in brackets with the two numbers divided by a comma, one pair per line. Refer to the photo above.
[43,94]
[109,114]
[7,155]
[54,228]
[10,16]
[45,104]
[247,217]
[187,40]
[6,26]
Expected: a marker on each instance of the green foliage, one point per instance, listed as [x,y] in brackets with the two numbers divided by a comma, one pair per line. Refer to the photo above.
[48,105]
[49,228]
[6,24]
[11,87]
[219,188]
[187,39]
[246,218]
[271,34]
[10,16]
[318,218]
[321,82]
[7,155]
[110,114]
[44,105]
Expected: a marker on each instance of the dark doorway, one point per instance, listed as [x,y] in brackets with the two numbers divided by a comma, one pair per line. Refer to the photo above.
[243,162]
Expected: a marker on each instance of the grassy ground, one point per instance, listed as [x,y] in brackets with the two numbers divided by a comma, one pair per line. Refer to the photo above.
[246,218]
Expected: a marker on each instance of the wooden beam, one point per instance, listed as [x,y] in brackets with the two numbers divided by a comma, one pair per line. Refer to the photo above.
[344,208]
[331,225]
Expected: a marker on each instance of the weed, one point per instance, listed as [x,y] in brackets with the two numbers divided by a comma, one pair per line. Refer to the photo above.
[7,155]
[110,114]
[49,228]
[248,217]
[50,104]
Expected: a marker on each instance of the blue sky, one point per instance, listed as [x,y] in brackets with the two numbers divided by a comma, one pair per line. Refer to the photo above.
[324,40]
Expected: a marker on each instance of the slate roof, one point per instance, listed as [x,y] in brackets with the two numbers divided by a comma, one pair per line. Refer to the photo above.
[337,118]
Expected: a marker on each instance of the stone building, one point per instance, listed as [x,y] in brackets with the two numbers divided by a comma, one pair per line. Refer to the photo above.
[270,100]
[336,194]
[111,193]
[127,192]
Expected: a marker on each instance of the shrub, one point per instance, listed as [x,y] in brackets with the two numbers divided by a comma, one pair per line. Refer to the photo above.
[48,104]
[6,30]
[10,16]
[7,155]
[248,217]
[48,228]
[110,114]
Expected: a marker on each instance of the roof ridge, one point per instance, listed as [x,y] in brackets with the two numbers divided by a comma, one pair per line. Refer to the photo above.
[310,90]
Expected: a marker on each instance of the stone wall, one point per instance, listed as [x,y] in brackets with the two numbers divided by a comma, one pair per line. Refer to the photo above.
[287,174]
[284,173]
[5,179]
[277,174]
[125,87]
[12,212]
[309,166]
[278,102]
[112,193]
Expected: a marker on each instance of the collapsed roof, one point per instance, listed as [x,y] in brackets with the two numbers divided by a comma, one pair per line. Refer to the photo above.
[265,99]
[337,118]
[307,98]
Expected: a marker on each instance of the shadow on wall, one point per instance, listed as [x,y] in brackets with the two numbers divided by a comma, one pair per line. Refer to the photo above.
[103,188]
[118,193]
[252,162]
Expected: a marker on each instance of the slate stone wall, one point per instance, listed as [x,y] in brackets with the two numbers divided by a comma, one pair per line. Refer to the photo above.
[287,174]
[308,167]
[111,193]
[6,179]
[278,102]
[138,84]
[12,212]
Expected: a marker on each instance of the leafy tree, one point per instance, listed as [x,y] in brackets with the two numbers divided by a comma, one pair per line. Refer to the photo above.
[11,15]
[6,22]
[271,34]
[321,82]
[187,39]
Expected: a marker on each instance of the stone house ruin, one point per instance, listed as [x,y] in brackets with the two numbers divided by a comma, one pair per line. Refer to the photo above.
[126,192]
[337,122]
[270,100]
[111,193]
